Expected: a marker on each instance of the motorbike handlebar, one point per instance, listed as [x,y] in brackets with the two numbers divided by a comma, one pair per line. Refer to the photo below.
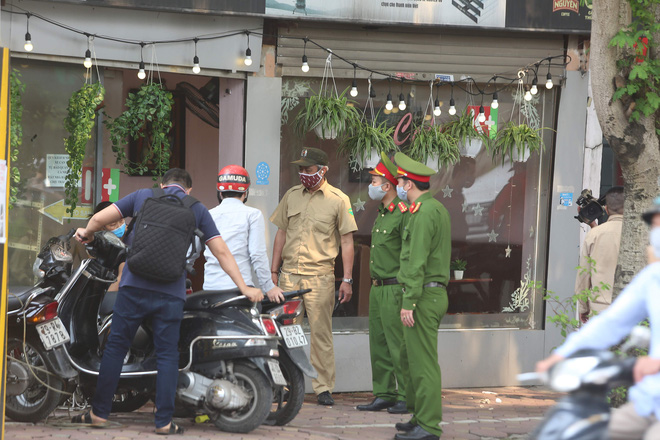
[532,377]
[287,295]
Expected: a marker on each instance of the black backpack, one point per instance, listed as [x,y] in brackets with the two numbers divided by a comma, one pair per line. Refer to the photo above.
[163,233]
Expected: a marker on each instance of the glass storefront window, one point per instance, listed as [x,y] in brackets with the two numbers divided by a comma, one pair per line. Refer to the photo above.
[496,210]
[40,212]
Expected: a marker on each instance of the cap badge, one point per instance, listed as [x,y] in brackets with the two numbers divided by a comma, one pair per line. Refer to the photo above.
[303,153]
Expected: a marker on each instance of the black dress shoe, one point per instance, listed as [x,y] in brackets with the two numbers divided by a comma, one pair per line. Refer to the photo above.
[376,405]
[404,426]
[325,398]
[417,433]
[398,408]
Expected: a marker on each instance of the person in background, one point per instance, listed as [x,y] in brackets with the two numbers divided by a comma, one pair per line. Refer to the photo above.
[424,274]
[119,229]
[313,219]
[640,417]
[243,229]
[385,328]
[599,255]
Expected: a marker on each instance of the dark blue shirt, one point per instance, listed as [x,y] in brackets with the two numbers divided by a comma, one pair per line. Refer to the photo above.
[129,206]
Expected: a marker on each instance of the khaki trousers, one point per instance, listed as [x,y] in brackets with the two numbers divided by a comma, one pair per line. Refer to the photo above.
[319,304]
[626,424]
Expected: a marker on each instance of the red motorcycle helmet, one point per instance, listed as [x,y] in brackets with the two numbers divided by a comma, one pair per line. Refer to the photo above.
[233,178]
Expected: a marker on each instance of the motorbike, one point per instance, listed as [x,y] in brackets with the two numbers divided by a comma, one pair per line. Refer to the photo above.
[587,376]
[228,352]
[39,376]
[288,399]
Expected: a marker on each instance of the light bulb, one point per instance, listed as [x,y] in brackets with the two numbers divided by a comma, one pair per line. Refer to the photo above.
[548,83]
[248,57]
[354,90]
[528,96]
[195,67]
[494,104]
[402,102]
[534,90]
[28,43]
[482,114]
[436,109]
[389,105]
[141,72]
[88,59]
[305,66]
[452,108]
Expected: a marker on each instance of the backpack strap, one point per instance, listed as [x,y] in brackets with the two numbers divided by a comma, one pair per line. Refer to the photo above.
[189,201]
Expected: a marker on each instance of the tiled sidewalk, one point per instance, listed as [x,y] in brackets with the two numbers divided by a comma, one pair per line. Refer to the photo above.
[469,414]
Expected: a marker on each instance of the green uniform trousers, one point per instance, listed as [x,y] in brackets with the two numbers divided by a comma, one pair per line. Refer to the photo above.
[419,360]
[385,339]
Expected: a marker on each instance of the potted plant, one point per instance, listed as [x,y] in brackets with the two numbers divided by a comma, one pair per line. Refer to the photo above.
[328,116]
[468,138]
[458,266]
[432,145]
[516,142]
[81,117]
[147,115]
[365,142]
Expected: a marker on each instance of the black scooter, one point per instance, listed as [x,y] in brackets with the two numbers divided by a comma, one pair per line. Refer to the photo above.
[228,352]
[39,376]
[587,377]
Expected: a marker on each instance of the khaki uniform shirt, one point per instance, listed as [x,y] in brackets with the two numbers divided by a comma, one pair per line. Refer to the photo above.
[602,245]
[314,223]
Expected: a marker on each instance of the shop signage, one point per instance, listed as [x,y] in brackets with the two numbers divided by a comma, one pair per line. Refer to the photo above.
[563,15]
[217,6]
[109,185]
[56,170]
[58,211]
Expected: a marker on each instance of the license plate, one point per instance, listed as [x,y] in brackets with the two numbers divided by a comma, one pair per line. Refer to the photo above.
[276,373]
[293,336]
[53,333]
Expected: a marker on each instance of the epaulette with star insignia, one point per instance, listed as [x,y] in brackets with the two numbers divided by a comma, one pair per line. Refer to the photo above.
[402,207]
[391,207]
[415,207]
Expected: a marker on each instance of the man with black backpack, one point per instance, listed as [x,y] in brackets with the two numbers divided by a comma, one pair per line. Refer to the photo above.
[166,219]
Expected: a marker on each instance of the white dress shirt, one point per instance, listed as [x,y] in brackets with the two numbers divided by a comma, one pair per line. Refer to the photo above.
[638,301]
[243,229]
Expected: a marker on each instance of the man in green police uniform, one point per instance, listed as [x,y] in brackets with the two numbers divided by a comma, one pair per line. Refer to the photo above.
[424,273]
[385,329]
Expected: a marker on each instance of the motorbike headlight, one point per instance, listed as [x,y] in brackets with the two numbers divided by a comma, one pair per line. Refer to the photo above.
[35,268]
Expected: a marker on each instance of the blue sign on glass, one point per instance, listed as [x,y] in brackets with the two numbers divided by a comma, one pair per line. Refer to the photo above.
[263,171]
[566,199]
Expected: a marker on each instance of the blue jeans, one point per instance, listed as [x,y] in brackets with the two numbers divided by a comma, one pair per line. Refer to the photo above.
[132,307]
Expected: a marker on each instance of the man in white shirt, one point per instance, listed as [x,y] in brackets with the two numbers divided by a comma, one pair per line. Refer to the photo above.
[243,229]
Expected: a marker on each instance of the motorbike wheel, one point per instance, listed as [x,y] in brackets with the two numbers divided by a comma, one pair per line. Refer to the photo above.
[247,419]
[129,401]
[37,401]
[287,400]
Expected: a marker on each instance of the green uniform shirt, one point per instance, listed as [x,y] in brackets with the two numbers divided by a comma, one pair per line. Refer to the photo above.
[386,239]
[426,248]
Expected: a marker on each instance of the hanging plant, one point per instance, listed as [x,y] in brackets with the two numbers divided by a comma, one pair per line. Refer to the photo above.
[367,139]
[431,144]
[79,123]
[516,142]
[462,129]
[16,89]
[330,116]
[148,116]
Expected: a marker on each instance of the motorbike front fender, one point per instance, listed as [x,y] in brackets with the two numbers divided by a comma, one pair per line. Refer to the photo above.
[300,359]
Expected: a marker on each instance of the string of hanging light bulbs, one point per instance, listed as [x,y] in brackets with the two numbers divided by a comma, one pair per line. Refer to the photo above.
[527,70]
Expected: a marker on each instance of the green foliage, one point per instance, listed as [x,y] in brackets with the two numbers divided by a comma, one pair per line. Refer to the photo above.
[642,71]
[430,141]
[16,90]
[515,139]
[79,123]
[365,137]
[329,112]
[458,264]
[147,116]
[462,128]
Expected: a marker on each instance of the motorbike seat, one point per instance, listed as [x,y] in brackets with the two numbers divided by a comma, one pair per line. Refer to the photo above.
[108,303]
[17,296]
[204,299]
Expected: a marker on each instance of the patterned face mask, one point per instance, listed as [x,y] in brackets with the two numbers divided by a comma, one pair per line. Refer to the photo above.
[310,180]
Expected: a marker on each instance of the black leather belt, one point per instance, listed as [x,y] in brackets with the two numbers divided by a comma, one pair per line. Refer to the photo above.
[385,282]
[434,284]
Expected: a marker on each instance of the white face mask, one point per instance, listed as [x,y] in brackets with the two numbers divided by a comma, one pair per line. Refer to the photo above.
[654,240]
[402,193]
[377,192]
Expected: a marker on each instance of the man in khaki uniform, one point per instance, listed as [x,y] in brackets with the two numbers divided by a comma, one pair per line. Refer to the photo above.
[313,219]
[599,256]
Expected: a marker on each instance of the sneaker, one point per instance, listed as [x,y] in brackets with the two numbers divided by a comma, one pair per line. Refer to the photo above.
[325,398]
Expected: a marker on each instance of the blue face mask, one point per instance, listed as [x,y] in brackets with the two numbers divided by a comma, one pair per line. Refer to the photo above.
[402,193]
[119,232]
